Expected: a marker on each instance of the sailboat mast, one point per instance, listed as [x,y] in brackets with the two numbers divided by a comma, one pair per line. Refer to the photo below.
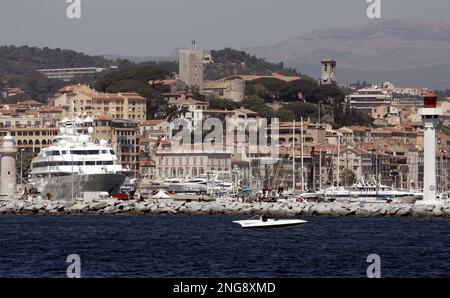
[301,138]
[293,155]
[338,159]
[320,169]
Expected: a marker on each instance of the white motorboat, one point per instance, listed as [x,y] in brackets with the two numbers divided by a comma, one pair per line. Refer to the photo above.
[262,222]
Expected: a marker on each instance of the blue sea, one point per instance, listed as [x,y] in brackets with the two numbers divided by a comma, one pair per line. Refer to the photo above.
[213,246]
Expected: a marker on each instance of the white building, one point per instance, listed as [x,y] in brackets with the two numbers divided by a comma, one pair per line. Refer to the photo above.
[368,98]
[66,74]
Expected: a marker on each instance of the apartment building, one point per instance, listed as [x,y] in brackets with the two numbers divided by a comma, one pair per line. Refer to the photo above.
[129,106]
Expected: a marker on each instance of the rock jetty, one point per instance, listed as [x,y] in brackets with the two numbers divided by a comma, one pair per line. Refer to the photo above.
[170,207]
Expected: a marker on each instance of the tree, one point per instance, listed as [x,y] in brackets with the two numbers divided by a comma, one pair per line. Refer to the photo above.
[348,177]
[222,104]
[298,110]
[229,62]
[24,161]
[284,115]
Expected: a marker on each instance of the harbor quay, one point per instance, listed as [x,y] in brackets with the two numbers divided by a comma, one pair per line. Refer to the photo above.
[177,207]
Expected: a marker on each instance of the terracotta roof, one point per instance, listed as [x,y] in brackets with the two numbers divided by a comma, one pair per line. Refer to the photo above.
[162,82]
[7,112]
[153,122]
[357,128]
[49,109]
[217,111]
[32,102]
[245,111]
[430,94]
[131,95]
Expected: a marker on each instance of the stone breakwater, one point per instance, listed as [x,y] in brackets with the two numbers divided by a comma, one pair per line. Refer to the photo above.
[161,207]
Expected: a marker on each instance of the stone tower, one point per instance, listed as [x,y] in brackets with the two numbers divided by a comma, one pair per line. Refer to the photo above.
[328,71]
[191,67]
[8,167]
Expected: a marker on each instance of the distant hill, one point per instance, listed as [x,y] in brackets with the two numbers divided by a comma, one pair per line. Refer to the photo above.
[229,62]
[407,52]
[18,67]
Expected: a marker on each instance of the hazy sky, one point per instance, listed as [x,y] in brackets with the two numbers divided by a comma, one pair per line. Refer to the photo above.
[157,27]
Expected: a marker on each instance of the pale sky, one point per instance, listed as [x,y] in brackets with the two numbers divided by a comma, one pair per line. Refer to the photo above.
[157,27]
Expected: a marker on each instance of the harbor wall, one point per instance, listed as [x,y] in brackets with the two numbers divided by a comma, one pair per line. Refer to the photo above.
[168,207]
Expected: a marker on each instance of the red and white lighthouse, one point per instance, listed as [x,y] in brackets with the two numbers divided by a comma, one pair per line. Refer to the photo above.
[430,114]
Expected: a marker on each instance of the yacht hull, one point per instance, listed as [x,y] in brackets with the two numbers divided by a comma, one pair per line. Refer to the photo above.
[60,188]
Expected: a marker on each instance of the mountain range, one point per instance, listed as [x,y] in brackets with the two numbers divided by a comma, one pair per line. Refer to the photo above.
[405,51]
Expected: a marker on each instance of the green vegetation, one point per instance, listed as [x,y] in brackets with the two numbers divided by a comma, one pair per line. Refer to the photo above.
[18,68]
[222,104]
[297,110]
[300,97]
[348,177]
[303,89]
[444,129]
[135,78]
[229,62]
[24,162]
[303,97]
[259,106]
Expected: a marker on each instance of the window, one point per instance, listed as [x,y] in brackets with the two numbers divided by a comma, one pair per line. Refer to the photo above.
[52,153]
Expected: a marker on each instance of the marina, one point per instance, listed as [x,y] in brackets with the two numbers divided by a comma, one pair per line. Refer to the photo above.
[94,163]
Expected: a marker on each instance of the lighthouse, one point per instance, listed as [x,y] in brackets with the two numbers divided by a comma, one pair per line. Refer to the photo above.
[8,167]
[430,114]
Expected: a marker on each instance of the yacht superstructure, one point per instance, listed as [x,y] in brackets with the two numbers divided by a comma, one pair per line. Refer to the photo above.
[74,164]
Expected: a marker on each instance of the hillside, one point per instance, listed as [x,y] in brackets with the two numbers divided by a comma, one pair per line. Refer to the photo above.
[407,52]
[18,65]
[229,62]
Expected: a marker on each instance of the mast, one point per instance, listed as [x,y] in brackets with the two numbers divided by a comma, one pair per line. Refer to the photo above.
[376,173]
[320,169]
[293,155]
[72,171]
[301,138]
[338,159]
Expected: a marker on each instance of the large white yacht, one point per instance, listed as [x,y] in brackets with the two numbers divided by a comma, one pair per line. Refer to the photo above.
[74,164]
